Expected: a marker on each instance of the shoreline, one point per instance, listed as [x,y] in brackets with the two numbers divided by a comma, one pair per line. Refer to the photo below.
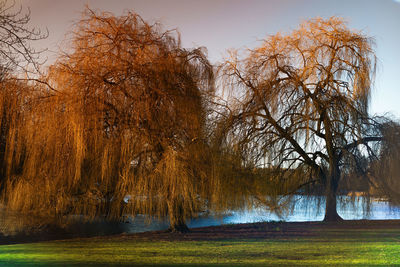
[245,231]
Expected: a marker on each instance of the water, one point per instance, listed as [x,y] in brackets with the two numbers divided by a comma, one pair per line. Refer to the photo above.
[304,209]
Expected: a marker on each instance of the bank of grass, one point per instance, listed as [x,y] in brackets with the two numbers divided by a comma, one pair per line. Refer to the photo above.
[278,244]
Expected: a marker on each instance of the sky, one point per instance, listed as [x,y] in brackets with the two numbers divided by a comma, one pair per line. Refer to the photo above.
[219,25]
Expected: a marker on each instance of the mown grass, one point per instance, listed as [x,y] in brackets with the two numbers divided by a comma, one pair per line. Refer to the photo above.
[335,247]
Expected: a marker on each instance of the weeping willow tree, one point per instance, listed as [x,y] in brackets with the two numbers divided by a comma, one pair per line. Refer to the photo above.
[15,107]
[17,57]
[123,130]
[240,183]
[300,107]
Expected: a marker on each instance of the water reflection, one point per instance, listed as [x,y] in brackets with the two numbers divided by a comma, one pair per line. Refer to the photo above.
[304,209]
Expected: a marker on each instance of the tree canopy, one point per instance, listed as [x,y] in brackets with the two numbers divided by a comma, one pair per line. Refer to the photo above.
[124,133]
[302,105]
[129,122]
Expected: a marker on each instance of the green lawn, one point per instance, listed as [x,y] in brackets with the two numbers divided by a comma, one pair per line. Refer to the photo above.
[368,247]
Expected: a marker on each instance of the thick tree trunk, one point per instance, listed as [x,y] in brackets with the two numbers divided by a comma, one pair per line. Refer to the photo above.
[176,217]
[331,214]
[333,176]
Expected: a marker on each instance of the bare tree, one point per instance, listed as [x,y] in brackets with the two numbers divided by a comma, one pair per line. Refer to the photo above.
[16,37]
[301,106]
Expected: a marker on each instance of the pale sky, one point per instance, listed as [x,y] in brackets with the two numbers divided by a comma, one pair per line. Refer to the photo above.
[223,24]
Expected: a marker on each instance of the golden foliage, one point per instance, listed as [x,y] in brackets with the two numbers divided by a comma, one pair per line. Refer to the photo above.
[125,127]
[301,101]
[127,120]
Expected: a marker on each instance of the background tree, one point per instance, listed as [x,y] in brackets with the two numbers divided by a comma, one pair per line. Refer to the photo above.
[16,51]
[383,172]
[125,133]
[302,106]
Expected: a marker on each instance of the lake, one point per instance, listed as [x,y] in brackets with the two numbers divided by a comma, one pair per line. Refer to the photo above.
[304,209]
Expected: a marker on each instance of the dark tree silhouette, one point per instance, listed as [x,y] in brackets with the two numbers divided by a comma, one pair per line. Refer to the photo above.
[16,51]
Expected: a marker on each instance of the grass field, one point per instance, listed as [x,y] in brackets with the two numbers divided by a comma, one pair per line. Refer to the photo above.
[276,244]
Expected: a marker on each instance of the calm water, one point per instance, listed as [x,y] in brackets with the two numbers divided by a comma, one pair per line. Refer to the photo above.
[304,209]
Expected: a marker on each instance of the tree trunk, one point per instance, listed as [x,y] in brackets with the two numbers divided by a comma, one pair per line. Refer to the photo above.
[331,214]
[176,216]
